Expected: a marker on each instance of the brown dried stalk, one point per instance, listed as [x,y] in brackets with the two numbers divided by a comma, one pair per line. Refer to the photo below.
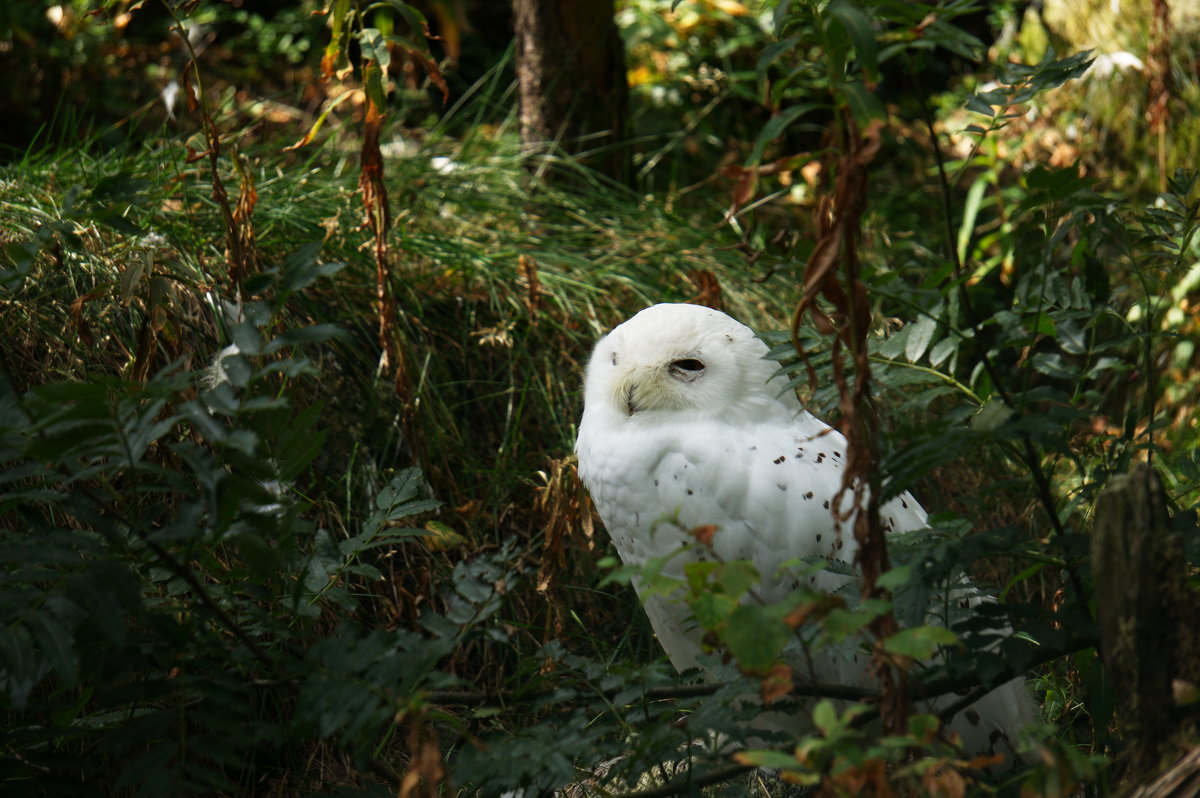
[833,275]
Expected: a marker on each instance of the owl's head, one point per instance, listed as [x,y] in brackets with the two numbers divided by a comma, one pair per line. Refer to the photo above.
[684,358]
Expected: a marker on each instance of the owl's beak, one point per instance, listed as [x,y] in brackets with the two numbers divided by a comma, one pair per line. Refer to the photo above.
[638,389]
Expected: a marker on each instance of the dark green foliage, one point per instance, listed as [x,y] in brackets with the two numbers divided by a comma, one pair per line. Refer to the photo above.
[165,583]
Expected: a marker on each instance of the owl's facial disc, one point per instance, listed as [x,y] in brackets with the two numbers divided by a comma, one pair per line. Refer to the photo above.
[669,382]
[681,359]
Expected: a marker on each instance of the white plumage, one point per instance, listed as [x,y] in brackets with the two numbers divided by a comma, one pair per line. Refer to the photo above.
[685,419]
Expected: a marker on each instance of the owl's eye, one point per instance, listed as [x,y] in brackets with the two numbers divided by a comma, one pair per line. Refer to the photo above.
[687,369]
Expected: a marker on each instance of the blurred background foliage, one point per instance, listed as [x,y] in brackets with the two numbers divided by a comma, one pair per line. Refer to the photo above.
[304,573]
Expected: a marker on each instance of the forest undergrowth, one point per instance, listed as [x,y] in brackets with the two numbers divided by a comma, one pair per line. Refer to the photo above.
[258,541]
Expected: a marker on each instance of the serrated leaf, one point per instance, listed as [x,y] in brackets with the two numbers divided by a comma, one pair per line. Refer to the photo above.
[711,610]
[895,578]
[697,573]
[920,642]
[736,577]
[755,636]
[840,623]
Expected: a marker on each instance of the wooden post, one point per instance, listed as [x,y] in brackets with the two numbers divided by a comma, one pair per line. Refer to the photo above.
[1149,616]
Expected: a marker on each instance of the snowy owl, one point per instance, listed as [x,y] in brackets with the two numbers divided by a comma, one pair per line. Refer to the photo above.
[685,418]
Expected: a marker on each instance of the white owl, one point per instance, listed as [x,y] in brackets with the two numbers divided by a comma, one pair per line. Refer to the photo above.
[686,419]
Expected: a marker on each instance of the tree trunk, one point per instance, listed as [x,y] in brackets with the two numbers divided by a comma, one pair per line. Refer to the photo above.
[1148,617]
[571,80]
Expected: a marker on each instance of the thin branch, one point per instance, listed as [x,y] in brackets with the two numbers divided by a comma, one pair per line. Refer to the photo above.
[919,690]
[687,785]
[477,697]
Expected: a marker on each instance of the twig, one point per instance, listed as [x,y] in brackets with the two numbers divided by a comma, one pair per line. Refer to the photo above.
[688,784]
[476,697]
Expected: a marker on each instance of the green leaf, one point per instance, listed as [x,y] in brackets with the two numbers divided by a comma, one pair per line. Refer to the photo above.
[858,29]
[416,22]
[375,47]
[755,636]
[698,572]
[302,268]
[374,84]
[711,610]
[919,336]
[840,623]
[653,579]
[970,212]
[335,56]
[991,416]
[772,52]
[920,642]
[738,576]
[825,716]
[895,578]
[775,127]
[895,345]
[768,759]
[1058,183]
[57,645]
[942,350]
[862,102]
[1071,337]
[1052,364]
[974,103]
[314,333]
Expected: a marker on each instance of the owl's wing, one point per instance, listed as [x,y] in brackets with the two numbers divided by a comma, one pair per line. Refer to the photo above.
[772,491]
[769,489]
